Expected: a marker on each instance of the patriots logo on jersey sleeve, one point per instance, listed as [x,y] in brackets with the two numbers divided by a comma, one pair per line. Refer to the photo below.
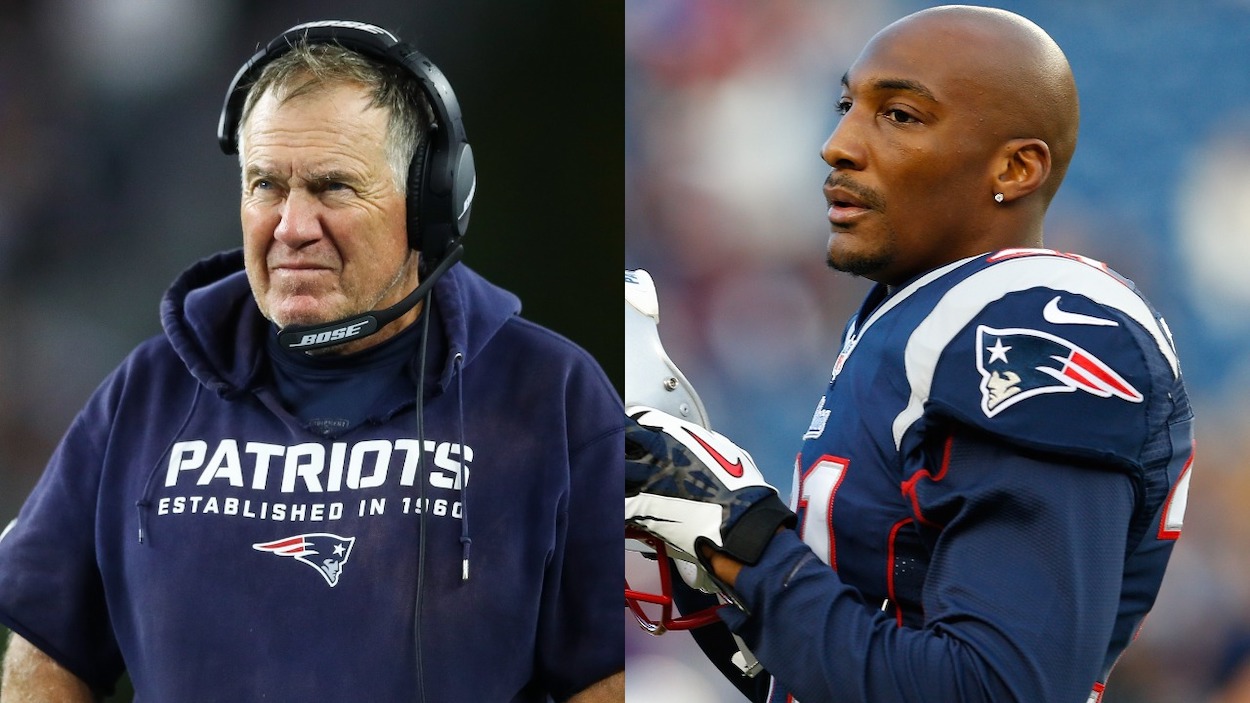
[322,551]
[1016,364]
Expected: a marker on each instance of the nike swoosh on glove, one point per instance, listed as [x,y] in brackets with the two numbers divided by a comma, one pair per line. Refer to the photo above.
[688,486]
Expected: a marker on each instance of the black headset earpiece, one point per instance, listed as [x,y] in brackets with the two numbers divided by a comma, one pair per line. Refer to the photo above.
[442,177]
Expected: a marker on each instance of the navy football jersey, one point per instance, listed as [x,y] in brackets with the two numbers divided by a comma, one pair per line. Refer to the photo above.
[996,473]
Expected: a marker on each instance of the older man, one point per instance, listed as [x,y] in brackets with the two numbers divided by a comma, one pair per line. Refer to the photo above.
[276,499]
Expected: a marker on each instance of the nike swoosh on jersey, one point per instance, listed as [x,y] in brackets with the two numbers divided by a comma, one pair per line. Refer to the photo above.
[650,518]
[1052,314]
[734,469]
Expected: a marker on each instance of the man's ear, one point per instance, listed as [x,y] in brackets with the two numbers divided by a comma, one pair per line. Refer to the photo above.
[1023,167]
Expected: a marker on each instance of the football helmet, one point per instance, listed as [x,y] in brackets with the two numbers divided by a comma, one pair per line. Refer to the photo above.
[653,380]
[657,623]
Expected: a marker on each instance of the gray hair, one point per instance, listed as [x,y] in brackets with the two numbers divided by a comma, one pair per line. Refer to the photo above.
[307,68]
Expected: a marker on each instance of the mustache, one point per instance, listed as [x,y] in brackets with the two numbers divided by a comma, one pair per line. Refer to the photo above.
[870,197]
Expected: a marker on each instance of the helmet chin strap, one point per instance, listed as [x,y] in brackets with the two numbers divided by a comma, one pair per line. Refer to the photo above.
[354,327]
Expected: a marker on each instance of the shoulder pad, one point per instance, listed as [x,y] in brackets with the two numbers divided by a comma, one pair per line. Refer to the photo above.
[1048,351]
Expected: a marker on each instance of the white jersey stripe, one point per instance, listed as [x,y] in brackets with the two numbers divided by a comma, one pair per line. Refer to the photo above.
[903,294]
[966,299]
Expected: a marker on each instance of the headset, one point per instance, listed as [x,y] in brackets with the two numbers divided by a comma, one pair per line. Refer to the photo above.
[442,179]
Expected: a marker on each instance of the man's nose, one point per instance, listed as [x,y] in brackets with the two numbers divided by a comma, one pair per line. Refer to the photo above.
[300,219]
[844,149]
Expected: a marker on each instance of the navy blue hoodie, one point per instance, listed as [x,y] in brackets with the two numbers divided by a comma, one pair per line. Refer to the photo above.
[190,530]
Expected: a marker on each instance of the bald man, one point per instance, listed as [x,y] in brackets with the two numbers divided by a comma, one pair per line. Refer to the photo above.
[992,482]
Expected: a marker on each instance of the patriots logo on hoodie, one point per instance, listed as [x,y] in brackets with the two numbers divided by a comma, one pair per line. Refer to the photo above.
[1017,363]
[325,552]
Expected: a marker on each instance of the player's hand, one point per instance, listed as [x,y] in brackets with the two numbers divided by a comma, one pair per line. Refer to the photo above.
[693,487]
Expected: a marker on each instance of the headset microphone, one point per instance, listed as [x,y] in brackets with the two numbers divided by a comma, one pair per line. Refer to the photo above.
[309,337]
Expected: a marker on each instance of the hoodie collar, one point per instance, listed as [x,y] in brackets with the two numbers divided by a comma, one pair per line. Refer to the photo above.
[211,320]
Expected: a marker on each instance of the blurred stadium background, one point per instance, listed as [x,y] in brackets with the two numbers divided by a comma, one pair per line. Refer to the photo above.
[727,104]
[111,181]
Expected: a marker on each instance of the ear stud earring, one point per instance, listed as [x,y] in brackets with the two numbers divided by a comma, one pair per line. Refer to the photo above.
[998,197]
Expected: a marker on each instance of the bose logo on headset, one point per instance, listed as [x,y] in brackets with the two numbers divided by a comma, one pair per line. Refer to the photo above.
[341,334]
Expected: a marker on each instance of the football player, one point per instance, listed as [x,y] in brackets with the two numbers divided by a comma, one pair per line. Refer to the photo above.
[994,478]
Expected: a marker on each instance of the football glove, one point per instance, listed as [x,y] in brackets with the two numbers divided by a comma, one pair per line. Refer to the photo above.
[691,486]
[687,567]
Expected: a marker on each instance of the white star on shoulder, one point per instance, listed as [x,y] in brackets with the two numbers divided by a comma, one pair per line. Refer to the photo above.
[998,351]
[338,550]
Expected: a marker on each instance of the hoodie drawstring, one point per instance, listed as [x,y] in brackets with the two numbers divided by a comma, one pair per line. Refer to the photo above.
[465,541]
